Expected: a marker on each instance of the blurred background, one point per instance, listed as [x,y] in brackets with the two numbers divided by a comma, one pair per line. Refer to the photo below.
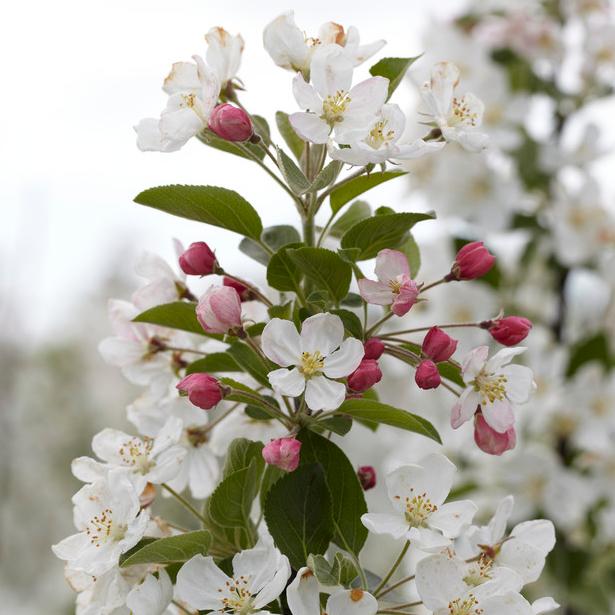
[79,75]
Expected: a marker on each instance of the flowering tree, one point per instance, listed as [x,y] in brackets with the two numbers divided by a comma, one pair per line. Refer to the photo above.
[245,387]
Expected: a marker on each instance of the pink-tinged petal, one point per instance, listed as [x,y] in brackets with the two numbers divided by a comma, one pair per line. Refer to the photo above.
[287,381]
[499,415]
[465,408]
[345,360]
[406,298]
[306,95]
[385,523]
[324,394]
[281,343]
[390,264]
[453,517]
[376,293]
[310,127]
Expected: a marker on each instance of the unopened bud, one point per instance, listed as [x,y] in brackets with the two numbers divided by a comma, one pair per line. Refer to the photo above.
[203,390]
[367,477]
[365,376]
[231,123]
[472,261]
[427,375]
[198,259]
[438,345]
[284,453]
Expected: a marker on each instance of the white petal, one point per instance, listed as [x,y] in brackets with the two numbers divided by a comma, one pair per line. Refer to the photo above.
[331,70]
[198,582]
[390,264]
[324,394]
[149,137]
[465,408]
[417,149]
[203,472]
[503,357]
[499,415]
[499,521]
[451,518]
[310,127]
[285,43]
[289,382]
[509,604]
[474,362]
[302,594]
[367,97]
[471,140]
[152,597]
[71,547]
[539,532]
[351,602]
[544,605]
[385,523]
[87,469]
[281,343]
[107,443]
[169,435]
[323,333]
[344,360]
[183,77]
[168,465]
[306,95]
[525,559]
[427,540]
[376,293]
[439,579]
[520,384]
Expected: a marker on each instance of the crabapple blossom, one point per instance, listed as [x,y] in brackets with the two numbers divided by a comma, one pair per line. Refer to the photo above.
[456,118]
[259,577]
[319,356]
[148,460]
[427,375]
[283,453]
[109,522]
[330,104]
[231,123]
[418,493]
[394,287]
[203,390]
[491,441]
[510,330]
[223,54]
[152,597]
[198,259]
[289,47]
[303,598]
[365,376]
[219,310]
[493,386]
[472,261]
[438,345]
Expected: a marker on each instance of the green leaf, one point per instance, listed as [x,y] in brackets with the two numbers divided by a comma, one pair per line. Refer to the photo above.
[261,127]
[177,315]
[347,495]
[595,348]
[275,237]
[271,476]
[394,69]
[298,514]
[240,455]
[379,232]
[252,362]
[344,569]
[411,249]
[322,569]
[352,300]
[292,139]
[378,412]
[358,211]
[245,395]
[352,323]
[326,176]
[451,372]
[283,273]
[352,189]
[339,425]
[325,268]
[213,363]
[293,175]
[174,549]
[210,204]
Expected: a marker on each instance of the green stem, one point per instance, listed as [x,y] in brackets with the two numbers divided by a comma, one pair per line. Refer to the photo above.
[308,230]
[325,229]
[378,324]
[446,326]
[347,179]
[250,287]
[399,583]
[226,413]
[436,283]
[184,503]
[391,572]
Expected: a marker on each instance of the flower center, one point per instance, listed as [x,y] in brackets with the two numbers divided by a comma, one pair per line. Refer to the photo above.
[479,572]
[492,387]
[101,529]
[379,135]
[334,107]
[135,454]
[418,509]
[462,113]
[311,363]
[196,436]
[395,286]
[464,606]
[238,599]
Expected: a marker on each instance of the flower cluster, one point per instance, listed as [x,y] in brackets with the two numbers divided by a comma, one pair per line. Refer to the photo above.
[246,387]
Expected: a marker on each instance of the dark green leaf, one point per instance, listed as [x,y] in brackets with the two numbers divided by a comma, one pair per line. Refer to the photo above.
[595,348]
[358,211]
[271,476]
[178,315]
[394,69]
[347,494]
[292,139]
[293,175]
[213,363]
[172,549]
[298,514]
[245,394]
[282,272]
[252,362]
[411,249]
[275,237]
[240,455]
[213,140]
[325,268]
[352,189]
[352,300]
[389,415]
[351,321]
[386,231]
[339,425]
[210,204]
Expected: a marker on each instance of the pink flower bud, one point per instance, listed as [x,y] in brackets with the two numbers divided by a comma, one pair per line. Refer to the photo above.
[405,296]
[204,391]
[198,259]
[245,294]
[489,440]
[472,261]
[365,376]
[438,345]
[511,330]
[219,310]
[374,347]
[367,477]
[427,375]
[283,453]
[231,123]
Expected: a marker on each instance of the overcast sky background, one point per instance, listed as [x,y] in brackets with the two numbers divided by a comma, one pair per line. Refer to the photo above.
[77,76]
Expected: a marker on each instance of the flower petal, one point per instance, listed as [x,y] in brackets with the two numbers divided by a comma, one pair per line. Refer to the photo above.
[376,293]
[323,333]
[385,523]
[306,95]
[331,70]
[198,582]
[287,381]
[390,264]
[367,97]
[324,394]
[503,357]
[499,415]
[351,602]
[281,343]
[344,360]
[302,593]
[451,518]
[439,579]
[465,408]
[310,127]
[520,383]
